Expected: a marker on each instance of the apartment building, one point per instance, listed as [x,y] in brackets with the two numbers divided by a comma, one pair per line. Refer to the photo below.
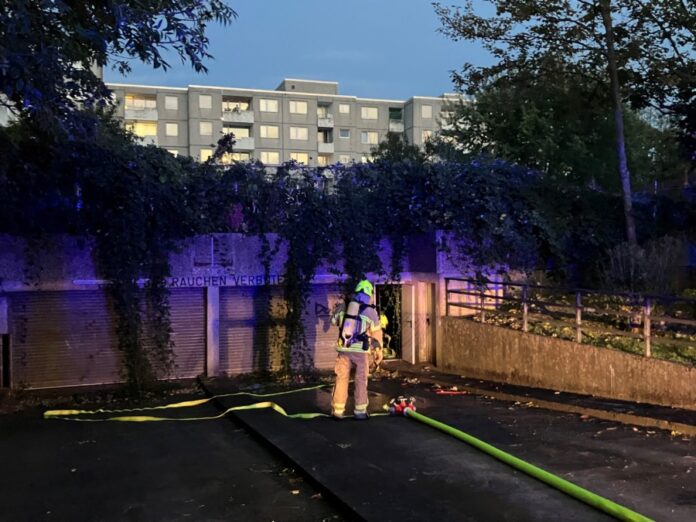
[302,120]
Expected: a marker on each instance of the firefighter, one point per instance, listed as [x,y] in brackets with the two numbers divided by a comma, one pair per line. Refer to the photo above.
[359,329]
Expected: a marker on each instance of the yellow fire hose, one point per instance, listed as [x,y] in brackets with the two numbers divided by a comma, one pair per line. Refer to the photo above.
[592,499]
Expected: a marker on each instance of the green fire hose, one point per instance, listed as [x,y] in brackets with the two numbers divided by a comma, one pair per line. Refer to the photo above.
[592,499]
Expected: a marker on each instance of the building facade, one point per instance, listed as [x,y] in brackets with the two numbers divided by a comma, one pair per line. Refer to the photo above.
[302,120]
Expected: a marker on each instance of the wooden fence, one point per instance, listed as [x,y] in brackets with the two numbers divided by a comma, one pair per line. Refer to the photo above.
[588,314]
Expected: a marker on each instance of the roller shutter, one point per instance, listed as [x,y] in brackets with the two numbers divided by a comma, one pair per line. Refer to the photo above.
[187,312]
[68,338]
[62,339]
[250,336]
[321,334]
[250,341]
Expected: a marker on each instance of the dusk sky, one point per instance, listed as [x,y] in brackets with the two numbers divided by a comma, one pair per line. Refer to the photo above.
[373,48]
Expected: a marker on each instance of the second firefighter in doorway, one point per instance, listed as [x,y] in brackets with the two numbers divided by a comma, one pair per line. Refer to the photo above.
[359,330]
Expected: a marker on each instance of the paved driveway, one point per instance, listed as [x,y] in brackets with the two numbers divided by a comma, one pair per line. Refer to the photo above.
[57,470]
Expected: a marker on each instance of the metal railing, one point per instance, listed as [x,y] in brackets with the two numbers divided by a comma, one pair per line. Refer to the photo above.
[586,313]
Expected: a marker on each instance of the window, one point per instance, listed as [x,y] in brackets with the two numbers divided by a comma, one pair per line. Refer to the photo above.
[426,135]
[205,101]
[205,128]
[323,160]
[137,101]
[229,157]
[322,111]
[171,103]
[269,131]
[343,108]
[369,138]
[142,128]
[233,105]
[366,158]
[344,158]
[344,134]
[299,133]
[206,154]
[426,111]
[173,152]
[268,105]
[298,107]
[300,157]
[369,113]
[171,129]
[270,158]
[239,132]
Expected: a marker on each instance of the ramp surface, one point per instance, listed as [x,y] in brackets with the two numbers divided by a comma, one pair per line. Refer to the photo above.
[393,468]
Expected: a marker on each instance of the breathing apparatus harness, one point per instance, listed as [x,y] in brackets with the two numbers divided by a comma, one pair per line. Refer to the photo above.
[359,337]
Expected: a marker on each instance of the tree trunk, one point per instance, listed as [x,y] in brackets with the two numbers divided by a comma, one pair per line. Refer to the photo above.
[624,173]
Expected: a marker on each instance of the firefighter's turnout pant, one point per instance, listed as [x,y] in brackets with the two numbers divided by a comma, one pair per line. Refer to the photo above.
[344,362]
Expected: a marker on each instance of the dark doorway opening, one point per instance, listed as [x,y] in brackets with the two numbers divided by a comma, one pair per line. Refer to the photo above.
[389,303]
[5,362]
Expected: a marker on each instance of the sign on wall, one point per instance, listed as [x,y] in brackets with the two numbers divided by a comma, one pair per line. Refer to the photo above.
[197,281]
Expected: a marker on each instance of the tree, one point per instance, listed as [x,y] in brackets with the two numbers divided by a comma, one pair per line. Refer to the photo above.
[396,147]
[49,48]
[558,125]
[611,42]
[668,79]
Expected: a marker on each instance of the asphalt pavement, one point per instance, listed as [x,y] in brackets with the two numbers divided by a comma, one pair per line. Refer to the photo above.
[259,465]
[397,469]
[55,470]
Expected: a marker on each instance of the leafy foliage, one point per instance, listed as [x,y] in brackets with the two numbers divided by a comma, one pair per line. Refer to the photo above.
[137,203]
[134,202]
[553,124]
[617,51]
[646,268]
[49,48]
[396,147]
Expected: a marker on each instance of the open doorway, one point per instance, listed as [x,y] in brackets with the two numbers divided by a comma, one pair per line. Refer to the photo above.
[389,303]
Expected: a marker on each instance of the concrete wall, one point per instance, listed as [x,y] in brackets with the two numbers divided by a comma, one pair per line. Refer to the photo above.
[66,262]
[503,355]
[53,307]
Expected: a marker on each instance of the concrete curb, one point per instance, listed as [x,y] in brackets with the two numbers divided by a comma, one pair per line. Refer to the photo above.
[624,418]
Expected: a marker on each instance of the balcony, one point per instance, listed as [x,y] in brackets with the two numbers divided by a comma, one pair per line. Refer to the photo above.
[326,122]
[396,126]
[237,116]
[243,144]
[140,114]
[326,148]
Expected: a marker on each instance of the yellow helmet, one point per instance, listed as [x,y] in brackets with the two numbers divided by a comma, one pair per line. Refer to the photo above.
[365,286]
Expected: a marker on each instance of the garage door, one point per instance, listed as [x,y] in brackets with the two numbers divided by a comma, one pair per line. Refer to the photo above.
[61,339]
[251,330]
[68,338]
[321,334]
[251,341]
[187,314]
